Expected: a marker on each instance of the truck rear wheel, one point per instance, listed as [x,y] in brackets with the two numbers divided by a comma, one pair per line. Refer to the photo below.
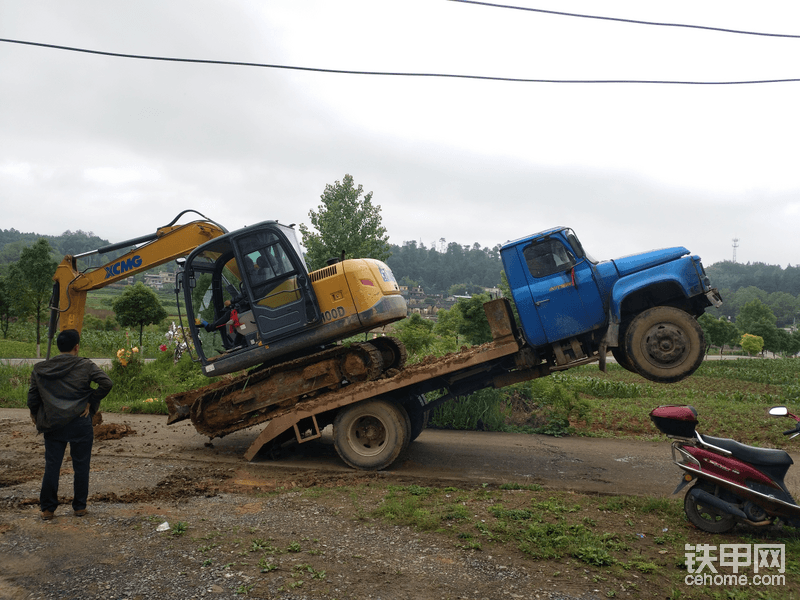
[370,435]
[665,344]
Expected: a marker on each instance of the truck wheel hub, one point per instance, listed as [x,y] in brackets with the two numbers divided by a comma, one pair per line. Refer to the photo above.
[665,344]
[369,432]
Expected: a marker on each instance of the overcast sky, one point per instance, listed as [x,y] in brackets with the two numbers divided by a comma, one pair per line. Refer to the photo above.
[119,146]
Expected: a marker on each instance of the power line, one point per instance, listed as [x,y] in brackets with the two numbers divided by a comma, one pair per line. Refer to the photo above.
[632,21]
[393,73]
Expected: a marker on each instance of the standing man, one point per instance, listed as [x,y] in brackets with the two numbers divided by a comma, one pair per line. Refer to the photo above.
[62,403]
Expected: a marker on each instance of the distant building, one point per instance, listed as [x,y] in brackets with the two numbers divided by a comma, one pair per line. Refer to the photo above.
[158,281]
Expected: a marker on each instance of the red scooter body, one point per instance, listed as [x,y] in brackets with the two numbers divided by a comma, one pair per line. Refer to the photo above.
[734,482]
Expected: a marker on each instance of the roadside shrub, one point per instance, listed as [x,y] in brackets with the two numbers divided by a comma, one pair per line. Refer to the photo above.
[16,349]
[485,410]
[141,387]
[14,382]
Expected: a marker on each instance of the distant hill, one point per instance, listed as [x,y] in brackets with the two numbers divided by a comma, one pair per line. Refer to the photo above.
[70,242]
[770,278]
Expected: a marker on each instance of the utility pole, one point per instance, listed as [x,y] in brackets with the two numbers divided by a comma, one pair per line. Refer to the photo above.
[735,246]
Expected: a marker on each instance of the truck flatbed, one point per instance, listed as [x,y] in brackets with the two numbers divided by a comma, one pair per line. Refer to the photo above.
[501,362]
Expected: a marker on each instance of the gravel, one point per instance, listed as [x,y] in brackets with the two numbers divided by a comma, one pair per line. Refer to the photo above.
[116,553]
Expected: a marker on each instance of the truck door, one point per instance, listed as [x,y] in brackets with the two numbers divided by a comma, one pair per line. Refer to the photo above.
[563,289]
[281,298]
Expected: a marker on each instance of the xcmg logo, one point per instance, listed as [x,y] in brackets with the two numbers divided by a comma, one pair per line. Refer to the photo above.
[123,266]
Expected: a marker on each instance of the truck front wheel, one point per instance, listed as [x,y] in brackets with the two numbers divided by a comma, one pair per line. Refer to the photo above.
[370,435]
[665,344]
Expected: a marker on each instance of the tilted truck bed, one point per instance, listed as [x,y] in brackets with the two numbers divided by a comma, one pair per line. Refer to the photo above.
[280,399]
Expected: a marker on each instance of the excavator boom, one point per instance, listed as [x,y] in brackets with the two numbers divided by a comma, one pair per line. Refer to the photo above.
[167,243]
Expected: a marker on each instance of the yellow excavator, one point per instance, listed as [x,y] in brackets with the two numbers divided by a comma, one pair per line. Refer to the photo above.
[250,301]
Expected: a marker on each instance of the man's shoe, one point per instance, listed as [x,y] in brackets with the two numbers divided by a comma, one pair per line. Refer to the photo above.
[81,513]
[47,515]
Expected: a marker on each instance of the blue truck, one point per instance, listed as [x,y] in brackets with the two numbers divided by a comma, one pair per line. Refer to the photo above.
[643,308]
[571,310]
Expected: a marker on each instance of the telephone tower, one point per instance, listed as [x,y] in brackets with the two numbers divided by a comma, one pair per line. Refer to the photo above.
[735,246]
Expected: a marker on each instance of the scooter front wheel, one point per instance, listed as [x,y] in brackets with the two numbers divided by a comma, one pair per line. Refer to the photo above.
[707,518]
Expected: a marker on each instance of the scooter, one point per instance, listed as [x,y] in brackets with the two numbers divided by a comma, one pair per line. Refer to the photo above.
[734,483]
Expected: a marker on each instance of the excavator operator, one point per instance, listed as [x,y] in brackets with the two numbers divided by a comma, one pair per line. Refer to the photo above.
[229,317]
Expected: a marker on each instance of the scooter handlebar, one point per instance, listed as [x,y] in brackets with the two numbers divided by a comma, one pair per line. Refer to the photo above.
[795,430]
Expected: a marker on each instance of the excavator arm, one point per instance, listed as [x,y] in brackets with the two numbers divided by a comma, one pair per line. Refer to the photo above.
[167,243]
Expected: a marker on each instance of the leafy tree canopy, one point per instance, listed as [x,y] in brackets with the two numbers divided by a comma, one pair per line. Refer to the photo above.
[138,305]
[752,313]
[30,284]
[346,223]
[416,333]
[719,332]
[752,344]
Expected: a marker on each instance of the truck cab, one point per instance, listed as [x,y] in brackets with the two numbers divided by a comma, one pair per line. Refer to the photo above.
[573,308]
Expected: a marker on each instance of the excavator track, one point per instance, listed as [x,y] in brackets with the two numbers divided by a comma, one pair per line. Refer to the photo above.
[249,399]
[393,352]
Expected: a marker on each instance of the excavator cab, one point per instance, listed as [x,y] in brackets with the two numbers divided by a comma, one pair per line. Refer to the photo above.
[247,289]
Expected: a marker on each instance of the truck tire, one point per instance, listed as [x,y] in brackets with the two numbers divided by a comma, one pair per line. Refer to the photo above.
[619,354]
[370,435]
[418,417]
[665,344]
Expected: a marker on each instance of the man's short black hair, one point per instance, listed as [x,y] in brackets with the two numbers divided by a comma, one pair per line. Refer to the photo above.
[68,339]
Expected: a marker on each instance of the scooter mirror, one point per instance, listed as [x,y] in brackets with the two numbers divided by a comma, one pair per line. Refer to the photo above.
[779,411]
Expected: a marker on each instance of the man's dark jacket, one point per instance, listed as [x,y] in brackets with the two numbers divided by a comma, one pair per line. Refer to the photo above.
[60,390]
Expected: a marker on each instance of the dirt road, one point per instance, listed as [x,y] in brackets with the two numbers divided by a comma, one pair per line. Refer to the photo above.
[582,464]
[595,465]
[144,472]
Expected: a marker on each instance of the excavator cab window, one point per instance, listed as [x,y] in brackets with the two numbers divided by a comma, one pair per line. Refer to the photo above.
[218,287]
[272,277]
[281,297]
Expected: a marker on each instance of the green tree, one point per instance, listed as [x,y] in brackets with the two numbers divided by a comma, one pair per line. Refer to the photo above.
[793,347]
[752,344]
[5,306]
[785,307]
[784,342]
[139,305]
[416,333]
[31,285]
[757,318]
[754,312]
[345,222]
[769,333]
[448,324]
[474,325]
[718,332]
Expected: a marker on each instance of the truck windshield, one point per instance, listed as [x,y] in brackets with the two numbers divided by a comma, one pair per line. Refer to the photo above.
[577,246]
[547,257]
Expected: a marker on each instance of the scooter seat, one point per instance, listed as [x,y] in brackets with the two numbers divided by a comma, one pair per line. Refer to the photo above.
[751,454]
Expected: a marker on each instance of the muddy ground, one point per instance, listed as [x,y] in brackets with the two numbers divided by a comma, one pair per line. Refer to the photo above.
[229,536]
